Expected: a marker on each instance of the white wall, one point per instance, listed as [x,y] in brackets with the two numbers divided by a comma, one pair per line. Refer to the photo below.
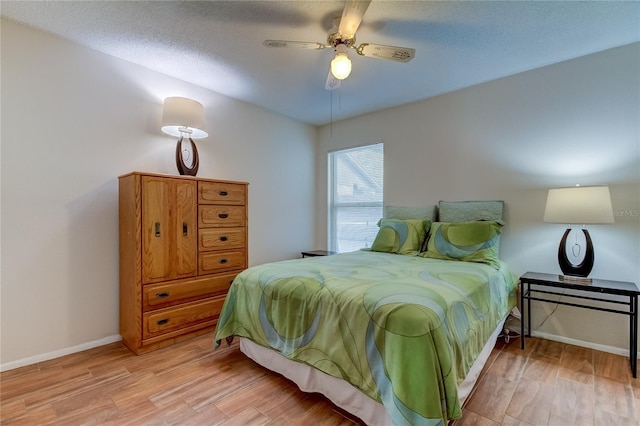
[512,139]
[73,120]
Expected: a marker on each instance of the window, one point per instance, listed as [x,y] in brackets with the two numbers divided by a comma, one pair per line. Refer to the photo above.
[355,197]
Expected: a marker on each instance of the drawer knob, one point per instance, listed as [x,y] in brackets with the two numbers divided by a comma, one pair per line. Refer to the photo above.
[162,295]
[163,321]
[223,238]
[223,261]
[223,193]
[223,215]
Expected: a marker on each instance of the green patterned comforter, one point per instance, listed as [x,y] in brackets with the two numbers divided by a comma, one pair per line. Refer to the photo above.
[404,330]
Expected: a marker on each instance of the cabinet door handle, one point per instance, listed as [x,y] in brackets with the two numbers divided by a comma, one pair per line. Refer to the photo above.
[185,229]
[223,215]
[162,321]
[223,193]
[223,238]
[223,261]
[157,225]
[162,295]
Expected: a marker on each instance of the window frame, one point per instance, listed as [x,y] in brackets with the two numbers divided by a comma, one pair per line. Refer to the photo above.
[333,206]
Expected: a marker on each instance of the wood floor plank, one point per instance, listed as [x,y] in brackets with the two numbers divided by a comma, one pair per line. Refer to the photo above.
[42,415]
[577,366]
[508,365]
[133,413]
[512,421]
[97,413]
[606,418]
[492,397]
[542,368]
[612,366]
[531,402]
[469,418]
[93,393]
[548,348]
[573,402]
[248,416]
[39,380]
[614,397]
[269,390]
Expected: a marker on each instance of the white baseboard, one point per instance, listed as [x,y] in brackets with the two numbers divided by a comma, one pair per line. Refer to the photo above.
[576,342]
[60,352]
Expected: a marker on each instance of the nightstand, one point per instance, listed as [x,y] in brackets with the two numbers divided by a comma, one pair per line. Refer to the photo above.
[315,253]
[537,286]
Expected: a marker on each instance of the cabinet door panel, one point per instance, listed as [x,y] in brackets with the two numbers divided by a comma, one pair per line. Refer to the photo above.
[156,229]
[169,217]
[186,261]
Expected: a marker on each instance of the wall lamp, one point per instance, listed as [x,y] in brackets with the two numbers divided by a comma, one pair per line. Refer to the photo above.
[184,118]
[579,205]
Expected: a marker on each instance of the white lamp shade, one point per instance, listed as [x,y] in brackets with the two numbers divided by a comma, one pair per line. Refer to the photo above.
[183,113]
[341,64]
[579,205]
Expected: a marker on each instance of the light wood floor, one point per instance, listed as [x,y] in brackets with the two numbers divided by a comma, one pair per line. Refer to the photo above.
[189,384]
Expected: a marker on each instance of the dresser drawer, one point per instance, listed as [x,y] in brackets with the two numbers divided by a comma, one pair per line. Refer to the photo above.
[210,239]
[221,261]
[156,296]
[221,193]
[166,320]
[214,216]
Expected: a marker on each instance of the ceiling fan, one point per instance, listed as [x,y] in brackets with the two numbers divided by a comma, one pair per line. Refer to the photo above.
[343,37]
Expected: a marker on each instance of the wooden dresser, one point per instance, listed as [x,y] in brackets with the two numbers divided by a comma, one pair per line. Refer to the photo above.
[182,242]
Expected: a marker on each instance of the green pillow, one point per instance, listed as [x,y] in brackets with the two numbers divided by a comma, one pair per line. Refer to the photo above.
[401,236]
[465,241]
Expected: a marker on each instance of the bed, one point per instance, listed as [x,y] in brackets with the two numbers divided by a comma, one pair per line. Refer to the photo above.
[396,334]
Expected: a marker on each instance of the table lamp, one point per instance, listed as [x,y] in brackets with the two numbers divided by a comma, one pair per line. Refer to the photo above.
[184,118]
[579,205]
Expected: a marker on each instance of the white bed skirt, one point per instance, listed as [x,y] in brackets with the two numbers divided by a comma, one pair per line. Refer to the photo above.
[342,393]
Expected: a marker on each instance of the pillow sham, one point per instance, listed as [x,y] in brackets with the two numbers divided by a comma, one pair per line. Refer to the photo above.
[477,241]
[401,236]
[404,212]
[468,211]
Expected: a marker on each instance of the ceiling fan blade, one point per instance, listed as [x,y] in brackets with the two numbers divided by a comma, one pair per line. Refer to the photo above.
[352,17]
[394,53]
[296,44]
[332,82]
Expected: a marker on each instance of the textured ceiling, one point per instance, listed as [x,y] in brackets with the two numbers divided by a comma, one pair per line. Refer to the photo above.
[218,44]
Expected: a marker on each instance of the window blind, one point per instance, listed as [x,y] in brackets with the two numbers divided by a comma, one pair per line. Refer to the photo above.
[356,189]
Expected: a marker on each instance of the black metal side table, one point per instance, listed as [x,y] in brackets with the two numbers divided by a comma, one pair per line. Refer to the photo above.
[314,253]
[548,284]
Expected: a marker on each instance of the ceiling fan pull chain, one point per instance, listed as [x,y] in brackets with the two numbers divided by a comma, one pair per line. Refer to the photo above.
[331,114]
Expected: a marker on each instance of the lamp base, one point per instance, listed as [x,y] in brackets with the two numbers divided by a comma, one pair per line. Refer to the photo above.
[183,169]
[575,280]
[583,268]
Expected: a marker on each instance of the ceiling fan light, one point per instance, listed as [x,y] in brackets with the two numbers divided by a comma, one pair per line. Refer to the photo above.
[341,66]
